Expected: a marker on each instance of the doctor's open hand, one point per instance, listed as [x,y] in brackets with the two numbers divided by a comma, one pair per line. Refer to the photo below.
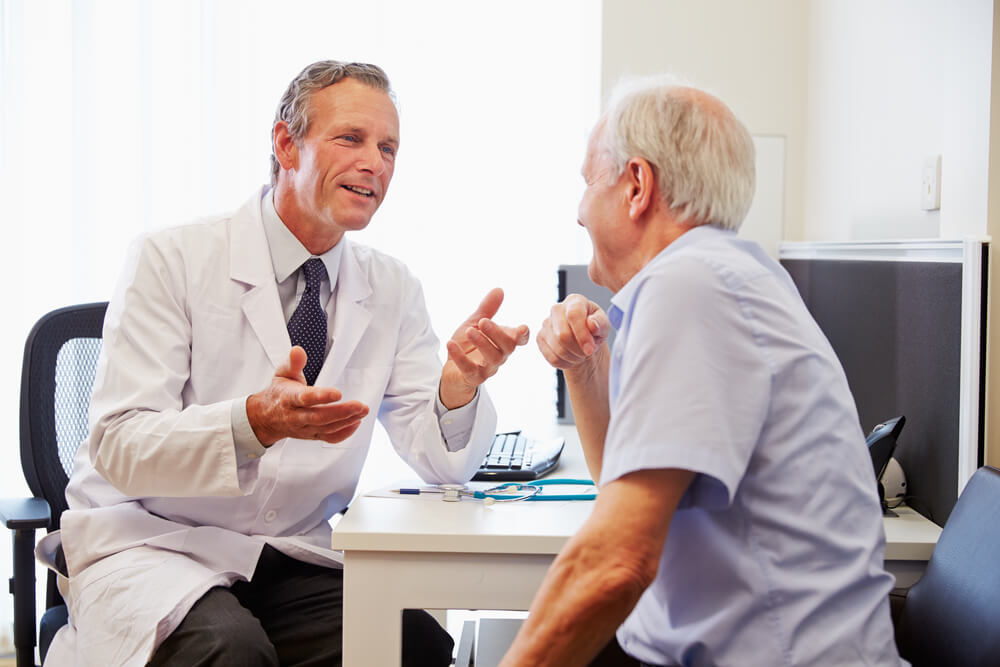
[289,408]
[573,333]
[477,350]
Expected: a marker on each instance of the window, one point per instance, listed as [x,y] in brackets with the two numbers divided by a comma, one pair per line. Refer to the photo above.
[121,116]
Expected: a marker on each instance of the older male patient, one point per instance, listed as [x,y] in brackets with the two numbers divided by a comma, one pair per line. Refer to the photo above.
[737,521]
[245,360]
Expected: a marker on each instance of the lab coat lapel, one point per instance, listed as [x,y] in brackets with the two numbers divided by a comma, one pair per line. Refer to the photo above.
[351,315]
[250,262]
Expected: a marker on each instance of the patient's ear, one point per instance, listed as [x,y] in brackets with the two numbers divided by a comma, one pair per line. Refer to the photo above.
[640,189]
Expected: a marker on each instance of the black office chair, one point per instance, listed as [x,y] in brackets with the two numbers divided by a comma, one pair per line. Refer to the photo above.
[951,616]
[60,359]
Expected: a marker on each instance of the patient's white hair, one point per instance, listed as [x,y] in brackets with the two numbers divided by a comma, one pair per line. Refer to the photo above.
[702,155]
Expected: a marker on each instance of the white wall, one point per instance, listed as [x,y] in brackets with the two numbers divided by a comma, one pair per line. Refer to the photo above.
[751,54]
[863,91]
[891,82]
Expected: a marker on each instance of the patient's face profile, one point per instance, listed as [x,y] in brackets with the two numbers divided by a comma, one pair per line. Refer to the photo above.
[598,213]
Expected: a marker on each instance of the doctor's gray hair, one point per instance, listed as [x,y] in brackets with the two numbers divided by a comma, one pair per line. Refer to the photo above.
[701,154]
[294,105]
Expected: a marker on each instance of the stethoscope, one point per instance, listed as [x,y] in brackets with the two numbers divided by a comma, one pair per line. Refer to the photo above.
[508,491]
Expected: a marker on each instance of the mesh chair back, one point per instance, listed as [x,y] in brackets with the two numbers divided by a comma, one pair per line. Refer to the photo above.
[60,360]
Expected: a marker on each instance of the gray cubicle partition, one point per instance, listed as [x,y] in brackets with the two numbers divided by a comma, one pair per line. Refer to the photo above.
[907,320]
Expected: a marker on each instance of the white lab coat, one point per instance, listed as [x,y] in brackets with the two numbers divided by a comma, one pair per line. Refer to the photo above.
[159,511]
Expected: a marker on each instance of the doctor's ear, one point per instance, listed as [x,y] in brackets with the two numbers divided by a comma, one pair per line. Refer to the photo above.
[640,180]
[286,149]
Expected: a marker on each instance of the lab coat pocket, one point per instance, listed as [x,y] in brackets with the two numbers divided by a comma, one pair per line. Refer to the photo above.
[112,616]
[368,386]
[223,336]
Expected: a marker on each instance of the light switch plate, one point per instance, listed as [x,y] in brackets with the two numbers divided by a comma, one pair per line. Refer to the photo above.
[930,183]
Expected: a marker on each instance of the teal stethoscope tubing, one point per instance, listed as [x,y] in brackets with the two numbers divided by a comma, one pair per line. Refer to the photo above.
[539,494]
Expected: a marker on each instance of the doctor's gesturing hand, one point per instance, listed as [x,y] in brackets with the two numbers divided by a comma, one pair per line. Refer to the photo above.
[477,349]
[289,408]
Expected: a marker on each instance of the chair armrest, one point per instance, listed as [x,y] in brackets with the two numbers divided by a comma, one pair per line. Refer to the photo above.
[25,513]
[24,516]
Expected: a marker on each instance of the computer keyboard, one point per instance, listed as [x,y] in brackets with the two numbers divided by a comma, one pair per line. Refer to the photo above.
[516,458]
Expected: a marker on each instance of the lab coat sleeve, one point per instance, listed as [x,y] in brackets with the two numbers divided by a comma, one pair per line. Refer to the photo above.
[144,440]
[408,408]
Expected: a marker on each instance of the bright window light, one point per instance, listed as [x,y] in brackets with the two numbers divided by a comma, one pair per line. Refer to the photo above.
[118,117]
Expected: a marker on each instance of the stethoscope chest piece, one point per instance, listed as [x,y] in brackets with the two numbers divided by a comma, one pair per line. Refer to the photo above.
[452,492]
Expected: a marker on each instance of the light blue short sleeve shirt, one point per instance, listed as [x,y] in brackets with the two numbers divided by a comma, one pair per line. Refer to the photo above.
[775,556]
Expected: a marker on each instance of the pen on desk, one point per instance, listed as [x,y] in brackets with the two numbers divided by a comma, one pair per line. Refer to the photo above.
[415,492]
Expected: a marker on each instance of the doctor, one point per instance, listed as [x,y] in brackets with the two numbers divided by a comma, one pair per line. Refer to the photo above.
[198,528]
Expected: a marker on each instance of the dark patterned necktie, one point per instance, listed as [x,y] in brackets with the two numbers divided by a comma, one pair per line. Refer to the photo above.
[308,324]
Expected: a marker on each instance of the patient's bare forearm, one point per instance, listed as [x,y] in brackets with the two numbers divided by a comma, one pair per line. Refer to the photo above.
[587,386]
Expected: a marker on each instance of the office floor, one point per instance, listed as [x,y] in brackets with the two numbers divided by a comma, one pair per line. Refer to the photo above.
[453,623]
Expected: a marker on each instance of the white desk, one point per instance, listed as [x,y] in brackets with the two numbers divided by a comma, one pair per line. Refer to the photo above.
[909,541]
[426,554]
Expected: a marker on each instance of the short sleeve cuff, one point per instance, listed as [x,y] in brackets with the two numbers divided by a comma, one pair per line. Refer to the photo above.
[713,487]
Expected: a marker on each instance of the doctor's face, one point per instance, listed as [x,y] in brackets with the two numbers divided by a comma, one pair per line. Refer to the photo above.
[342,166]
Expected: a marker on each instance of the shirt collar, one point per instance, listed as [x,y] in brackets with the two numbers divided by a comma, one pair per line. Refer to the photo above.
[287,252]
[622,300]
